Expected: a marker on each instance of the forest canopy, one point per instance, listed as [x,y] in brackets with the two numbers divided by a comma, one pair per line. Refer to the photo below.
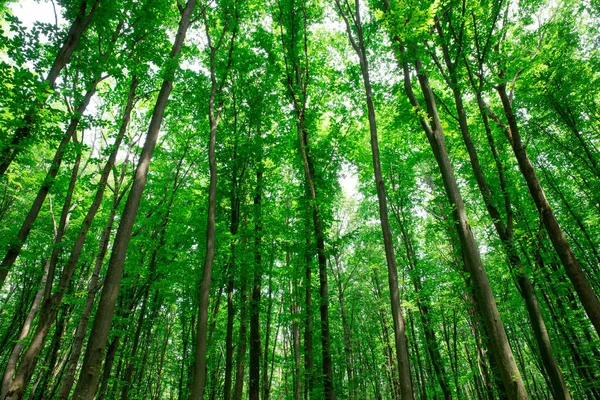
[300,199]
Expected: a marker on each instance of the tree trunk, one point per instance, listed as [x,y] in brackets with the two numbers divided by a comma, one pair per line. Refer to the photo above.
[15,247]
[308,323]
[558,385]
[88,380]
[235,203]
[402,356]
[265,390]
[423,303]
[481,287]
[46,282]
[214,114]
[295,313]
[255,347]
[242,343]
[584,290]
[52,303]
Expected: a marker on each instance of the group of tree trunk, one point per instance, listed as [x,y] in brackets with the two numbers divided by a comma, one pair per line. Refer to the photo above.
[168,190]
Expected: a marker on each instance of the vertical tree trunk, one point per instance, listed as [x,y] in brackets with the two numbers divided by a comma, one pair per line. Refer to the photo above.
[88,380]
[214,114]
[242,343]
[309,175]
[584,290]
[558,386]
[265,391]
[309,376]
[392,372]
[235,203]
[15,248]
[295,314]
[402,356]
[481,287]
[423,303]
[346,329]
[255,347]
[52,302]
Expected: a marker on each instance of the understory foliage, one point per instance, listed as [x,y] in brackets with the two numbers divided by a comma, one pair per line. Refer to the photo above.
[300,199]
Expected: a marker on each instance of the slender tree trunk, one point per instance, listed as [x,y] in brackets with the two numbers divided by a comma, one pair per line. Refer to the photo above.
[558,385]
[423,303]
[94,284]
[52,303]
[309,375]
[295,313]
[46,283]
[584,290]
[392,372]
[233,229]
[16,351]
[214,114]
[419,372]
[199,380]
[242,343]
[50,372]
[309,174]
[88,380]
[265,391]
[346,329]
[481,287]
[93,287]
[126,380]
[255,347]
[15,248]
[402,356]
[299,101]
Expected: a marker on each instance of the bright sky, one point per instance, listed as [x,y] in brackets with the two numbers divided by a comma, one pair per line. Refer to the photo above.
[30,11]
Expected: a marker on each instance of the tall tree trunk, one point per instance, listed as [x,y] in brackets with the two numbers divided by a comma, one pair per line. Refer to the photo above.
[255,347]
[585,292]
[94,285]
[309,175]
[126,379]
[309,376]
[88,380]
[487,308]
[424,304]
[266,381]
[295,314]
[235,203]
[52,303]
[214,114]
[242,342]
[46,282]
[392,372]
[298,84]
[352,19]
[346,329]
[505,232]
[15,247]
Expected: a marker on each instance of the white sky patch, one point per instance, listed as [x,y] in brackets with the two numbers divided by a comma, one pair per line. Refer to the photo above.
[30,11]
[348,179]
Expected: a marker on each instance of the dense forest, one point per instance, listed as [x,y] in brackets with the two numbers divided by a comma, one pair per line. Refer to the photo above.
[300,199]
